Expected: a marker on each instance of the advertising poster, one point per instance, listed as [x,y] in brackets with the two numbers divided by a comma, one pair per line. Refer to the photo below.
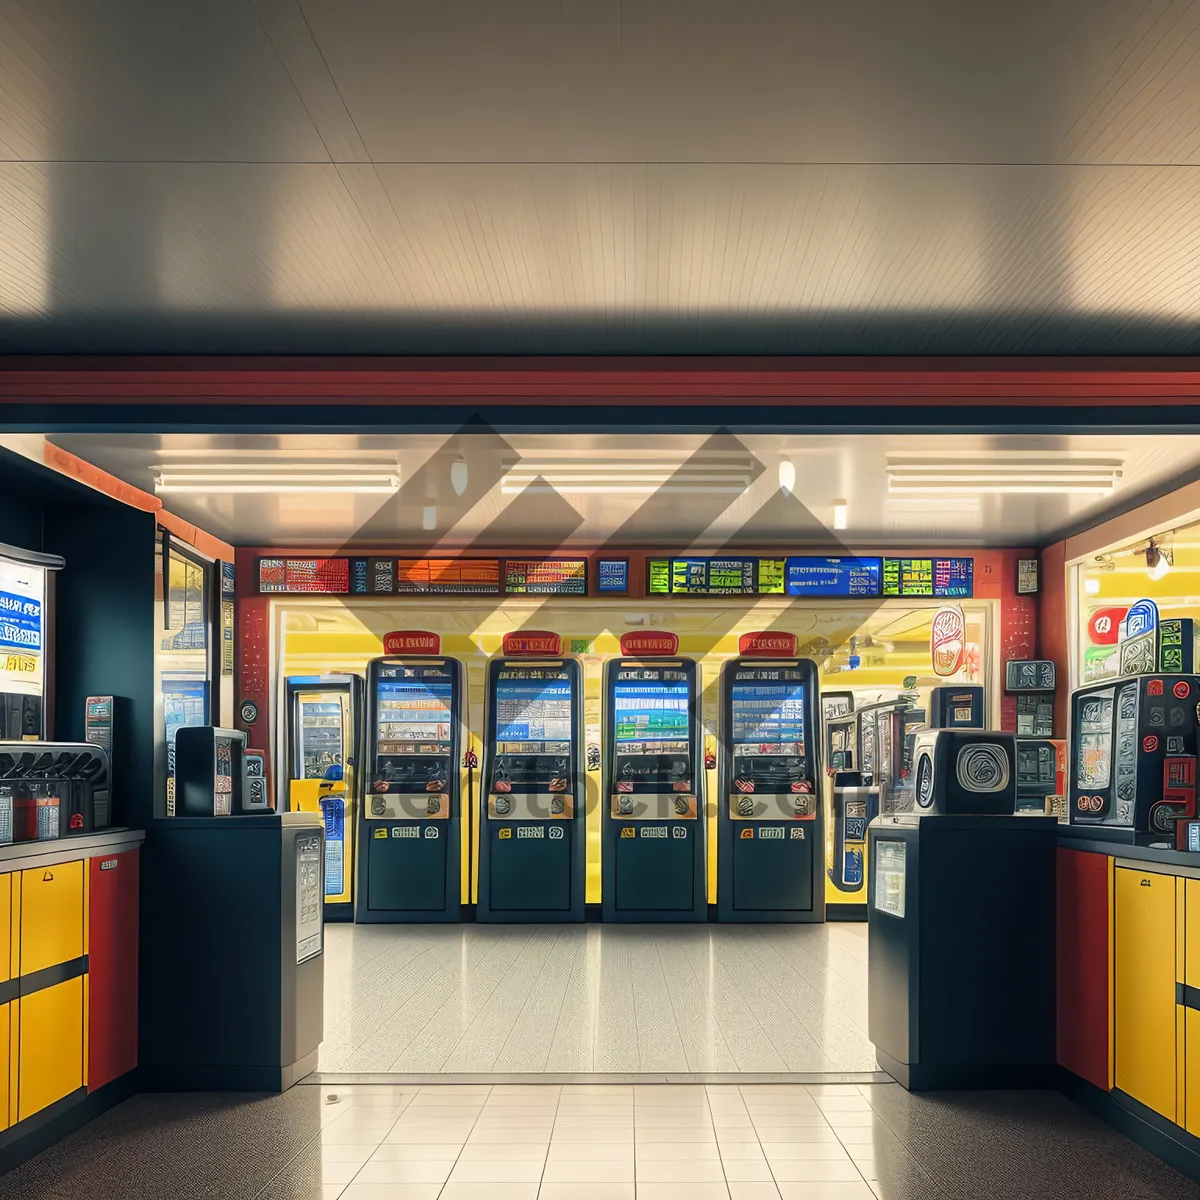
[22,591]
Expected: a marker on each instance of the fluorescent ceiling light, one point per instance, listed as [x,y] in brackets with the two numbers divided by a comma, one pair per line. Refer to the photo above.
[840,513]
[1047,476]
[266,477]
[787,475]
[629,476]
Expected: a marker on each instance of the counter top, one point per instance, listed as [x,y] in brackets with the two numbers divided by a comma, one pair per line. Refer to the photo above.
[267,820]
[20,855]
[1120,843]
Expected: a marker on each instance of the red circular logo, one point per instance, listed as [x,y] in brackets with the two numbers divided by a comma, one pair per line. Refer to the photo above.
[1150,743]
[380,785]
[1181,689]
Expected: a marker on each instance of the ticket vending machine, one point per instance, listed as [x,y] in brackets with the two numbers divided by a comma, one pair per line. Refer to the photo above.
[411,827]
[653,856]
[532,847]
[324,731]
[770,843]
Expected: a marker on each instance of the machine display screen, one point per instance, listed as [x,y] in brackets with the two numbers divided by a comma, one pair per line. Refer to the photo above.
[320,734]
[1093,761]
[928,576]
[651,730]
[768,735]
[414,708]
[533,729]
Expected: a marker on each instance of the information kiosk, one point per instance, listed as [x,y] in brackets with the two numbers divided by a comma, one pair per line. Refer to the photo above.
[411,829]
[532,847]
[653,851]
[324,732]
[770,839]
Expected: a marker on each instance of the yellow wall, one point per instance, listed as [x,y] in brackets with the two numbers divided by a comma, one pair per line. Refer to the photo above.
[328,636]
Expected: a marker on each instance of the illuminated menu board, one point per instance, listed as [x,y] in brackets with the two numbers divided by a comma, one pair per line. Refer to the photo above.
[372,576]
[448,576]
[327,576]
[928,576]
[818,577]
[612,577]
[702,576]
[546,577]
[834,576]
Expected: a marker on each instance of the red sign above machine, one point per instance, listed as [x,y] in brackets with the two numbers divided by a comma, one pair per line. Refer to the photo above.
[1104,626]
[767,644]
[532,642]
[948,641]
[411,641]
[650,645]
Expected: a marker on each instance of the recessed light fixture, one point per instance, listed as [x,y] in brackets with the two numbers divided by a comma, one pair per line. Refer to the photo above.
[787,475]
[429,517]
[260,477]
[460,475]
[1000,476]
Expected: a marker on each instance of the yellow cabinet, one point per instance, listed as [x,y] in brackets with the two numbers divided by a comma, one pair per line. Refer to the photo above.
[7,965]
[1144,1001]
[51,1046]
[51,915]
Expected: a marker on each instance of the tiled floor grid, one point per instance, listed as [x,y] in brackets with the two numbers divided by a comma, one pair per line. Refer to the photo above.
[602,1142]
[607,999]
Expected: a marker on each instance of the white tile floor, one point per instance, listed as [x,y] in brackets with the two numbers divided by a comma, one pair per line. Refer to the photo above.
[522,999]
[600,1142]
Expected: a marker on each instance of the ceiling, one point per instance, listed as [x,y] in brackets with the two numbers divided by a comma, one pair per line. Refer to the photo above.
[550,491]
[583,176]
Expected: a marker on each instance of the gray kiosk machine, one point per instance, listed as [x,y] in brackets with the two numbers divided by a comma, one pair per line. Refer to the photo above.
[960,899]
[236,1001]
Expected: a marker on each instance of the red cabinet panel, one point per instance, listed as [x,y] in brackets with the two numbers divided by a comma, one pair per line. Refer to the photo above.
[1084,964]
[113,967]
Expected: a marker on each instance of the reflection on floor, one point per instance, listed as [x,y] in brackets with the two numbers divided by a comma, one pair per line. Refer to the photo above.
[598,1142]
[595,998]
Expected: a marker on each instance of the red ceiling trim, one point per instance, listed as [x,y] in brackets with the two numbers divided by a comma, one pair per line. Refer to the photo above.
[769,381]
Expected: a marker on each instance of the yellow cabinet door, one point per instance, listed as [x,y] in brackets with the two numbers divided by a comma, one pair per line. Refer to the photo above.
[6,938]
[51,916]
[51,1037]
[1144,1004]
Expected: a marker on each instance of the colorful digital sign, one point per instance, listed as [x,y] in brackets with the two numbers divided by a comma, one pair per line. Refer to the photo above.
[319,576]
[834,576]
[545,577]
[448,576]
[612,576]
[941,577]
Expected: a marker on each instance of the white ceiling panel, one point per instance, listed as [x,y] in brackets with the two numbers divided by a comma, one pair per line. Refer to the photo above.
[549,491]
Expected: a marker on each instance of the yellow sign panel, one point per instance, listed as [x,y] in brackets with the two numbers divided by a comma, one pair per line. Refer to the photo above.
[747,835]
[506,832]
[380,833]
[629,831]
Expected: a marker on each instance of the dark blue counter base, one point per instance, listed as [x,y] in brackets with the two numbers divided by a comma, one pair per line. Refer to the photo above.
[1175,1146]
[917,1078]
[33,1135]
